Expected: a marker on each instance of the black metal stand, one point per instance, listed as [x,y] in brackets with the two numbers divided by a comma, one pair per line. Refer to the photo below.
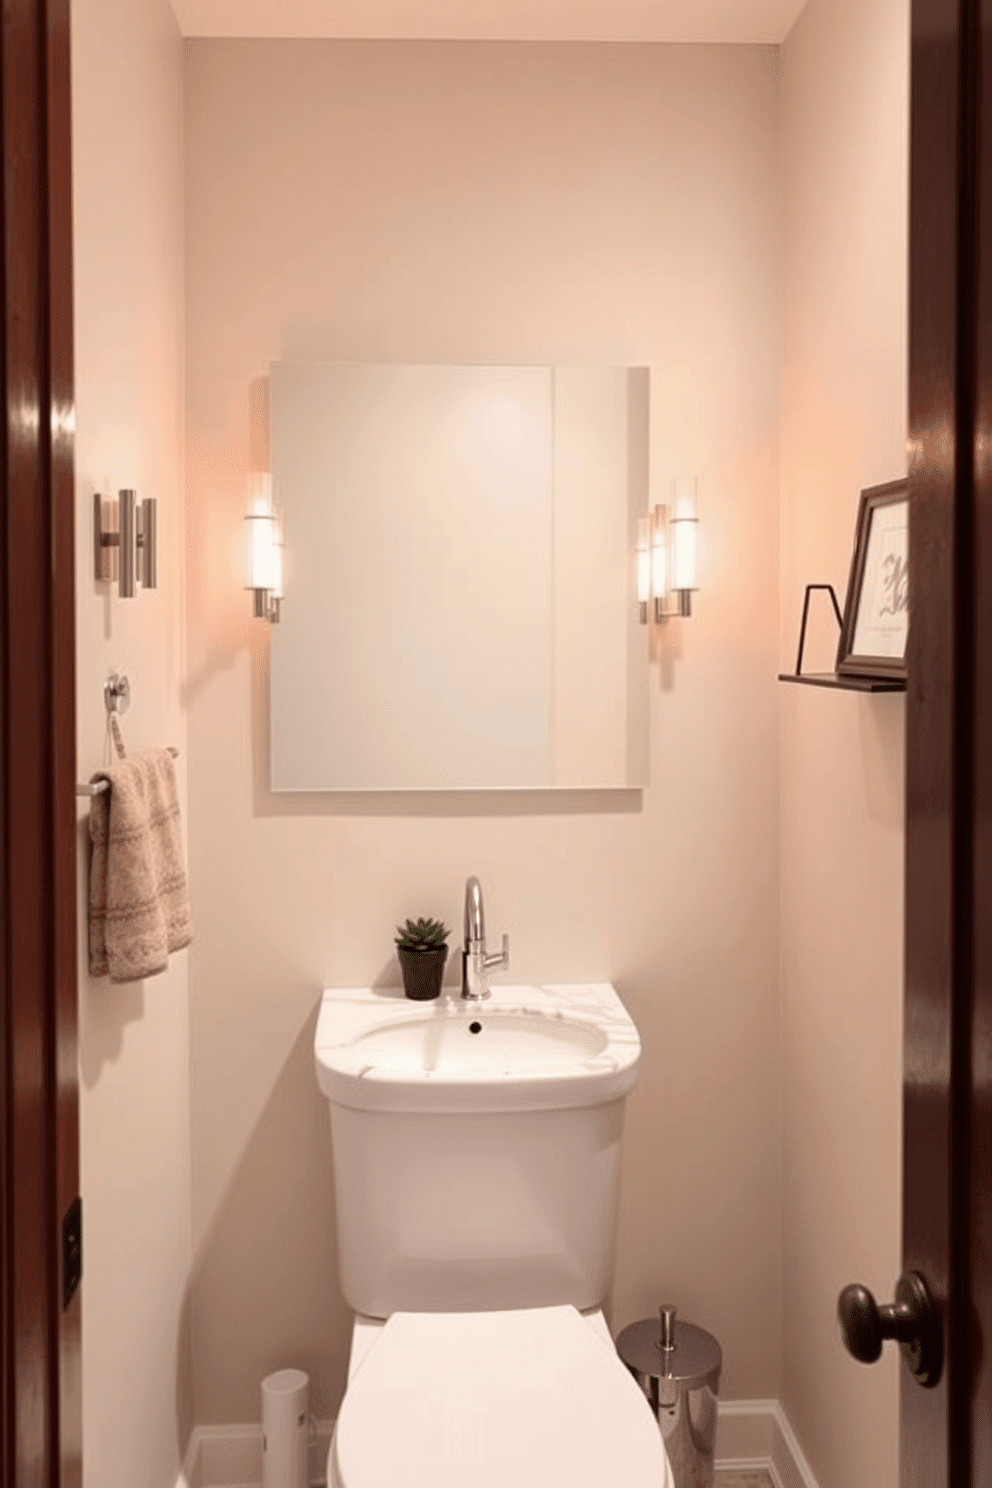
[846,682]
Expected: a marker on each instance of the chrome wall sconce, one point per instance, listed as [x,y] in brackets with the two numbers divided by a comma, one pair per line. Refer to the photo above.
[667,566]
[265,550]
[125,542]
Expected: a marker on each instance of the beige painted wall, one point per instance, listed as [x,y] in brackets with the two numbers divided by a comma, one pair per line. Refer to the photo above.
[134,1040]
[845,150]
[571,204]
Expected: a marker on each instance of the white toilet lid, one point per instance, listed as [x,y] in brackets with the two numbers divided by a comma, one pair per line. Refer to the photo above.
[531,1399]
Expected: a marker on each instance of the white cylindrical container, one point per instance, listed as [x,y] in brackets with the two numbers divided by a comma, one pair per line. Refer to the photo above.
[285,1430]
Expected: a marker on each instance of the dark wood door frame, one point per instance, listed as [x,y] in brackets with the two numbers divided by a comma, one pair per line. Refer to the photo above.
[980,1051]
[947,1192]
[39,1364]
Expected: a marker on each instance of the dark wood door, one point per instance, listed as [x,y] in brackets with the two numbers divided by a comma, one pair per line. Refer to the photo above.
[946,1405]
[39,1359]
[947,1202]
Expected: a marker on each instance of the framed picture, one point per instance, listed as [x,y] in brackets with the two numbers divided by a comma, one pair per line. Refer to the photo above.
[876,614]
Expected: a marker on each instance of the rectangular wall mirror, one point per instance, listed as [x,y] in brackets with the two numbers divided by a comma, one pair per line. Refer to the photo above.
[460,611]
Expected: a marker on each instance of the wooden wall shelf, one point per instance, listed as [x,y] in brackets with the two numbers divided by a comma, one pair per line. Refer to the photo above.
[845,683]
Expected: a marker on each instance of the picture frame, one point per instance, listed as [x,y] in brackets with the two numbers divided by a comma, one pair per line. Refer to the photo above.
[875,626]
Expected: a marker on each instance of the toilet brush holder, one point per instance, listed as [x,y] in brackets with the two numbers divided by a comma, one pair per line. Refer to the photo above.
[678,1368]
[285,1429]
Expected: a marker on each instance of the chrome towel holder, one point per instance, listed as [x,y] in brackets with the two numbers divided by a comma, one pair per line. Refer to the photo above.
[117,699]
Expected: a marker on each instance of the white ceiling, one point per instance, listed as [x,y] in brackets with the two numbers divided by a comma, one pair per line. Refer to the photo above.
[495,20]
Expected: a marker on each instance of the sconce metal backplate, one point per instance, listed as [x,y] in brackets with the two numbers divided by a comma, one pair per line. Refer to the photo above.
[125,541]
[267,606]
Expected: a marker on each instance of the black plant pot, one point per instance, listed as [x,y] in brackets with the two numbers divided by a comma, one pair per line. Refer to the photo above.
[423,972]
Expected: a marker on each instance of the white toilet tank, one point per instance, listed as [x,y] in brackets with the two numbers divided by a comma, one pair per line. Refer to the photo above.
[461,1213]
[477,1210]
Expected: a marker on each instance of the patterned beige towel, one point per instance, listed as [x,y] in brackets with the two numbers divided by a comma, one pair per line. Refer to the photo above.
[139,902]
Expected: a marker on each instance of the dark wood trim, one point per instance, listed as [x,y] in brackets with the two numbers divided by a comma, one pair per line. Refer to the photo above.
[39,1158]
[935,1432]
[980,1154]
[63,701]
[924,1434]
[962,1336]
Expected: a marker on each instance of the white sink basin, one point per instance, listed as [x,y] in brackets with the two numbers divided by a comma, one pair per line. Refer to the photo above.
[524,1049]
[479,1043]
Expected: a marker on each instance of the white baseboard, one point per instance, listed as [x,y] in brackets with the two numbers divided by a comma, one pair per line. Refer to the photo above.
[751,1434]
[756,1434]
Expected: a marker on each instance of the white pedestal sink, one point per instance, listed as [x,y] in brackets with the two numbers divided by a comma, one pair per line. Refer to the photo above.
[527,1048]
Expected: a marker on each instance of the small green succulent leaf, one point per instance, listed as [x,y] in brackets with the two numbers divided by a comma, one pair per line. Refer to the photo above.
[424,934]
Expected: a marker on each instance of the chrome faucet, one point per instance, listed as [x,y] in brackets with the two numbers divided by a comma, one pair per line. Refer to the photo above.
[475,962]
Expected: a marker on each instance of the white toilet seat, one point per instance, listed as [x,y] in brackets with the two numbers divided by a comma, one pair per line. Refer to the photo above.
[532,1399]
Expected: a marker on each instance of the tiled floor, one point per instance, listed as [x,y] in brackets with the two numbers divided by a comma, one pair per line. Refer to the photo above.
[743,1480]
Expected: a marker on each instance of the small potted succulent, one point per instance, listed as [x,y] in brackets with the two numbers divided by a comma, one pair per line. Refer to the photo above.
[422,949]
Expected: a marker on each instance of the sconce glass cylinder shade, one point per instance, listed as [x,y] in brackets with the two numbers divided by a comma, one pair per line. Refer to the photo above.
[659,561]
[261,532]
[276,591]
[264,549]
[643,566]
[684,524]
